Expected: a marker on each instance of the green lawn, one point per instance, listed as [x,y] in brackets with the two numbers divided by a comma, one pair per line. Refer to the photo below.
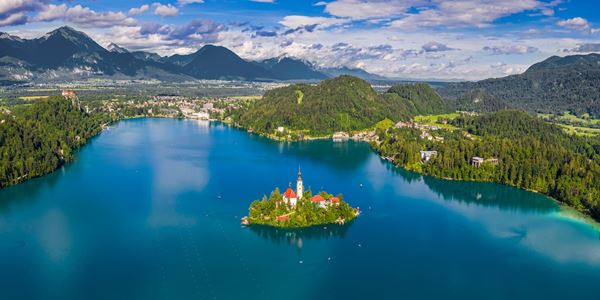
[580,130]
[433,120]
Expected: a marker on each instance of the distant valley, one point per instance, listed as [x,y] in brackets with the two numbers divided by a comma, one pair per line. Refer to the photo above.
[66,54]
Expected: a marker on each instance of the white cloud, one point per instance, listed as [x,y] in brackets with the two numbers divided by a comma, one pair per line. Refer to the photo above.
[139,10]
[585,48]
[263,1]
[186,2]
[14,12]
[461,13]
[321,22]
[13,19]
[164,11]
[52,12]
[368,9]
[84,16]
[511,49]
[576,23]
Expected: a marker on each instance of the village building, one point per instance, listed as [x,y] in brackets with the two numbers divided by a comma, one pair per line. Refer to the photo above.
[492,161]
[476,161]
[319,200]
[334,201]
[427,155]
[340,136]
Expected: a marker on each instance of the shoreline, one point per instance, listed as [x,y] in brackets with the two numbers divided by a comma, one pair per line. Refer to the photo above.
[586,217]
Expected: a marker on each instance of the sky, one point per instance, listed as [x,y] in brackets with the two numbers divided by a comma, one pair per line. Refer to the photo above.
[411,39]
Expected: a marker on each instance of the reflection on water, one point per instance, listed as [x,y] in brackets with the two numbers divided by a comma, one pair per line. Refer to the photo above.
[490,195]
[296,236]
[345,156]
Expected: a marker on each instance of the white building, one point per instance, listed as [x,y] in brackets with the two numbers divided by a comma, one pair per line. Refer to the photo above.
[290,197]
[299,185]
[427,155]
[201,115]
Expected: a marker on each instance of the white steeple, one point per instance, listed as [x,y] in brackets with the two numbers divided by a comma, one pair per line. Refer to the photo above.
[299,186]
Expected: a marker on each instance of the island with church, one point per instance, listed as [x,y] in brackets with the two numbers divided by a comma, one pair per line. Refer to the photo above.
[300,208]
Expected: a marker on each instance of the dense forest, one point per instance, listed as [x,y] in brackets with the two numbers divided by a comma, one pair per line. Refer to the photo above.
[38,138]
[531,153]
[344,103]
[556,85]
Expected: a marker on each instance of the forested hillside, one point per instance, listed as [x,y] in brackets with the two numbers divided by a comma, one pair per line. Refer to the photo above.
[556,85]
[478,100]
[419,99]
[41,137]
[344,103]
[531,154]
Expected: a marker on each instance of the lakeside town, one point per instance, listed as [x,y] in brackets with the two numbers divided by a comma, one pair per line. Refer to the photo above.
[222,108]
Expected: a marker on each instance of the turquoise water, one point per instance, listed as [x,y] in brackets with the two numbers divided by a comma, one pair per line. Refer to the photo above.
[151,210]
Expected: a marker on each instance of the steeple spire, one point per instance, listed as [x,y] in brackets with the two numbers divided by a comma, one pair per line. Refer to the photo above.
[299,185]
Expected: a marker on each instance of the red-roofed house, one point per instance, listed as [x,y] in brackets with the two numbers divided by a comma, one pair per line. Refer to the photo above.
[318,199]
[283,218]
[334,201]
[289,197]
[68,93]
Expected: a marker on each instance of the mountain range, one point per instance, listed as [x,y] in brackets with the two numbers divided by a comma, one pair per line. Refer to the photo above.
[66,54]
[555,85]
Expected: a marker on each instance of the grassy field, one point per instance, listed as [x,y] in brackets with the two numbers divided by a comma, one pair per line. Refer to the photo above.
[433,120]
[573,124]
[246,98]
[580,130]
[569,118]
[32,98]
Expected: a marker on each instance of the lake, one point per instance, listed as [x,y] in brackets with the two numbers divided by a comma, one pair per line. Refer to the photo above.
[151,209]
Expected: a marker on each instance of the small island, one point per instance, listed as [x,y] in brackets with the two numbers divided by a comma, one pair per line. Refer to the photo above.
[296,209]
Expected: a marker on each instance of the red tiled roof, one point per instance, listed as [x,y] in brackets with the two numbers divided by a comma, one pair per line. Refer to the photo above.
[282,218]
[317,198]
[335,200]
[289,193]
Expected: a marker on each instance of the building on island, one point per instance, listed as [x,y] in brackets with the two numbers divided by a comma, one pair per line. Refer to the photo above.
[283,218]
[289,196]
[427,155]
[319,200]
[334,201]
[299,184]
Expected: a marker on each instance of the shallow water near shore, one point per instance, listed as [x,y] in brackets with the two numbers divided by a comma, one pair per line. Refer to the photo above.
[151,209]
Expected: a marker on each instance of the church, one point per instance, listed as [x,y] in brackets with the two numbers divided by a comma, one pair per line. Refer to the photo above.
[290,197]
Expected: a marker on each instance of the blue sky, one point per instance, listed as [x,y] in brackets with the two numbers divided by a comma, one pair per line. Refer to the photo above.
[422,39]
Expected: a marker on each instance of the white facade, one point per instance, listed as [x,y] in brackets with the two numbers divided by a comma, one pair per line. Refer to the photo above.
[299,185]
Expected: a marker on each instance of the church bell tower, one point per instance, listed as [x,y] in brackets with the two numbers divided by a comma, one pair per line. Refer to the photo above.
[299,185]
